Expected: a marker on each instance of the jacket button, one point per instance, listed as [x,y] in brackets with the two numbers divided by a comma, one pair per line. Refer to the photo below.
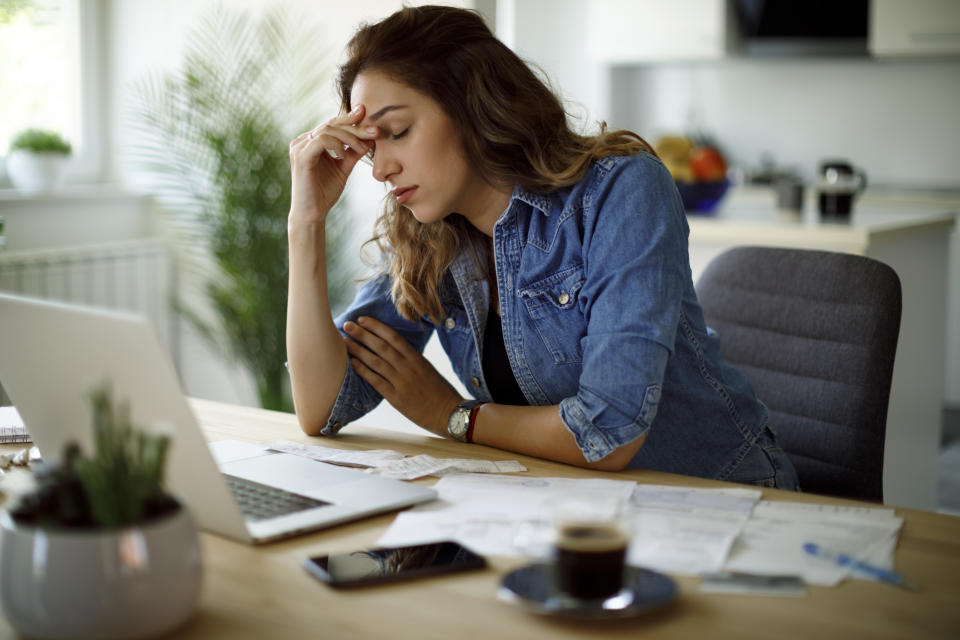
[475,381]
[450,323]
[563,298]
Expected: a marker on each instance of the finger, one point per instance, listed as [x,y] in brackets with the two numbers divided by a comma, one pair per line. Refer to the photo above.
[337,141]
[373,358]
[369,340]
[386,333]
[378,382]
[355,115]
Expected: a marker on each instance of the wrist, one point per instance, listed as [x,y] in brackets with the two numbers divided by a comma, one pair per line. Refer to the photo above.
[459,420]
[305,228]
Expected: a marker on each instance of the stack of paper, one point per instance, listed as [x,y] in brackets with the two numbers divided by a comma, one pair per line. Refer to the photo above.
[504,515]
[689,531]
[773,538]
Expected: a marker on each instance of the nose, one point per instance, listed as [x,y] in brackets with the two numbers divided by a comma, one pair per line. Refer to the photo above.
[384,165]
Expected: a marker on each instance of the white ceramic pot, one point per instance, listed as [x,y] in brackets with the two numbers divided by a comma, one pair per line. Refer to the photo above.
[34,172]
[137,582]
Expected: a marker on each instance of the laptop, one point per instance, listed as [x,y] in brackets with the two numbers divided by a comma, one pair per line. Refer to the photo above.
[53,354]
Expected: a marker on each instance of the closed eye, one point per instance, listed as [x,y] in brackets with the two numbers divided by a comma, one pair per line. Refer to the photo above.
[401,134]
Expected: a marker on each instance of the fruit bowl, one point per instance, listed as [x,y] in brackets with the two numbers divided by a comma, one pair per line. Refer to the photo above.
[702,197]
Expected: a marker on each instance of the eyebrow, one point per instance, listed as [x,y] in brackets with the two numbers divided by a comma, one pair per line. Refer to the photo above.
[380,114]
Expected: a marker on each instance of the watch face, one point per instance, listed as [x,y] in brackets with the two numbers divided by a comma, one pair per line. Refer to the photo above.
[459,422]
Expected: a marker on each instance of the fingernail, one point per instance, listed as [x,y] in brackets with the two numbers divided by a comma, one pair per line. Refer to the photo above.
[348,326]
[355,109]
[371,130]
[361,320]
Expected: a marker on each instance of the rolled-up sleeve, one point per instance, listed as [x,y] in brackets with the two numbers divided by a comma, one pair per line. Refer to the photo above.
[636,267]
[356,397]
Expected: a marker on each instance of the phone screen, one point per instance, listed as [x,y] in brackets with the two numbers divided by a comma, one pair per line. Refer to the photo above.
[373,566]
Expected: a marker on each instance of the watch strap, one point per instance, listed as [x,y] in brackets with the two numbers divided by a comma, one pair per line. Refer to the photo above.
[473,421]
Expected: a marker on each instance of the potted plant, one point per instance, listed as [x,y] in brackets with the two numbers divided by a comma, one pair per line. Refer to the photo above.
[98,549]
[36,160]
[215,135]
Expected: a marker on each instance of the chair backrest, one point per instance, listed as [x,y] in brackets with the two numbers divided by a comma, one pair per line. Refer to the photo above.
[816,333]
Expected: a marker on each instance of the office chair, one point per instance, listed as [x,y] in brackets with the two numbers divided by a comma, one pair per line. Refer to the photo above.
[816,333]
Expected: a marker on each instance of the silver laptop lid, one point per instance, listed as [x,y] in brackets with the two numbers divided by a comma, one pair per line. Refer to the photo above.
[52,355]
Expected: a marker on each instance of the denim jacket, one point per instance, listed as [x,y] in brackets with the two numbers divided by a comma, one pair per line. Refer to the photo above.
[599,317]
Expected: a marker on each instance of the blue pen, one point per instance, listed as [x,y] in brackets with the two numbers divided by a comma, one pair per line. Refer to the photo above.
[844,560]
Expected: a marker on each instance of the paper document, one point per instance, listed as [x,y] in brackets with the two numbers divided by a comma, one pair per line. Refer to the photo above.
[773,538]
[504,515]
[12,428]
[426,465]
[225,451]
[688,531]
[344,457]
[393,464]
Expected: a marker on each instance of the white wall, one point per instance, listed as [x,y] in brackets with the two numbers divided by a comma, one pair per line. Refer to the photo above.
[897,119]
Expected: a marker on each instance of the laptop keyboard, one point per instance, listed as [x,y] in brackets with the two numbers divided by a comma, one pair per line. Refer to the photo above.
[260,501]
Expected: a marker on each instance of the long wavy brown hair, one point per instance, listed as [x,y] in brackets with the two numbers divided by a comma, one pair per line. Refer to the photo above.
[512,126]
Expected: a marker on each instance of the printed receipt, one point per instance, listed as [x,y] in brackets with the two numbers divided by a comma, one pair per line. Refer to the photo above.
[425,465]
[393,464]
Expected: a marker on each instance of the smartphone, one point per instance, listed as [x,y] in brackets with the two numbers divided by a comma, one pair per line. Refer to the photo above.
[375,566]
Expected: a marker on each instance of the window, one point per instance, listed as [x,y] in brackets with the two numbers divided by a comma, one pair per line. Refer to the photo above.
[49,76]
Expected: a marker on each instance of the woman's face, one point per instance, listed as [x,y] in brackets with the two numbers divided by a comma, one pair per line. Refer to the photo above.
[417,149]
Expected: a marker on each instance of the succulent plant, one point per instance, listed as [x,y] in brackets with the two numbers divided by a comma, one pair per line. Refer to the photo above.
[121,484]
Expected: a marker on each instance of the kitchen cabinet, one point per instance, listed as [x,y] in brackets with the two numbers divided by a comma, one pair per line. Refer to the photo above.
[916,244]
[919,27]
[637,31]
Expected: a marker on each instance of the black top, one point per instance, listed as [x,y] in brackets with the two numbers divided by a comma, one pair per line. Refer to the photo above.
[496,367]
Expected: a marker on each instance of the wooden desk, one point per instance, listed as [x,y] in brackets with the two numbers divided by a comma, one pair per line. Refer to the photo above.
[262,592]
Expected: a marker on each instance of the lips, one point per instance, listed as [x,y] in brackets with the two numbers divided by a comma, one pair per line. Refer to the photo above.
[403,193]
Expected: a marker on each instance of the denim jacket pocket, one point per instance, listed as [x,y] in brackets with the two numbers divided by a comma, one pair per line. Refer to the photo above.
[551,304]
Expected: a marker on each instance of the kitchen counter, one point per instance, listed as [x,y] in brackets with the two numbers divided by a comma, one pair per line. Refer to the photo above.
[912,234]
[749,215]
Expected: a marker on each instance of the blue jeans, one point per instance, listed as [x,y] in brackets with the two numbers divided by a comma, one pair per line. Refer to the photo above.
[755,468]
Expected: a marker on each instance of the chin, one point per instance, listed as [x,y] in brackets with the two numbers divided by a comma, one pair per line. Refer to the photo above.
[424,215]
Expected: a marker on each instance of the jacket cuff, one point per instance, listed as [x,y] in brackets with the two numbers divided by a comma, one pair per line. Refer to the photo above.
[595,442]
[350,404]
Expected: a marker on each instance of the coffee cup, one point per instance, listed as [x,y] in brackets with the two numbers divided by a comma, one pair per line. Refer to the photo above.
[590,558]
[838,184]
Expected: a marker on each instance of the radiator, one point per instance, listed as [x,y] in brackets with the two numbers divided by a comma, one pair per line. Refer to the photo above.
[138,276]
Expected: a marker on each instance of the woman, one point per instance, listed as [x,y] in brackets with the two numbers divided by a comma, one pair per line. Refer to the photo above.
[553,266]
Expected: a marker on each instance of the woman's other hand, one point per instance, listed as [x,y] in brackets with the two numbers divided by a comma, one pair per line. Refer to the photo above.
[321,161]
[401,374]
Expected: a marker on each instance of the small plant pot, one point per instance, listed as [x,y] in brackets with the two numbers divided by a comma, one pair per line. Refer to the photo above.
[137,582]
[36,172]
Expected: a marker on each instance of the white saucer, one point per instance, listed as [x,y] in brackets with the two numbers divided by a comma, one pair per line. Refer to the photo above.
[533,587]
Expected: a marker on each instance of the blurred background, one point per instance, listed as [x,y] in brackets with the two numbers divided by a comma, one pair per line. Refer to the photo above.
[177,114]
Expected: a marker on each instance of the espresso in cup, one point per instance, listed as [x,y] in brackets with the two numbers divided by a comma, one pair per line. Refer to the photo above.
[590,559]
